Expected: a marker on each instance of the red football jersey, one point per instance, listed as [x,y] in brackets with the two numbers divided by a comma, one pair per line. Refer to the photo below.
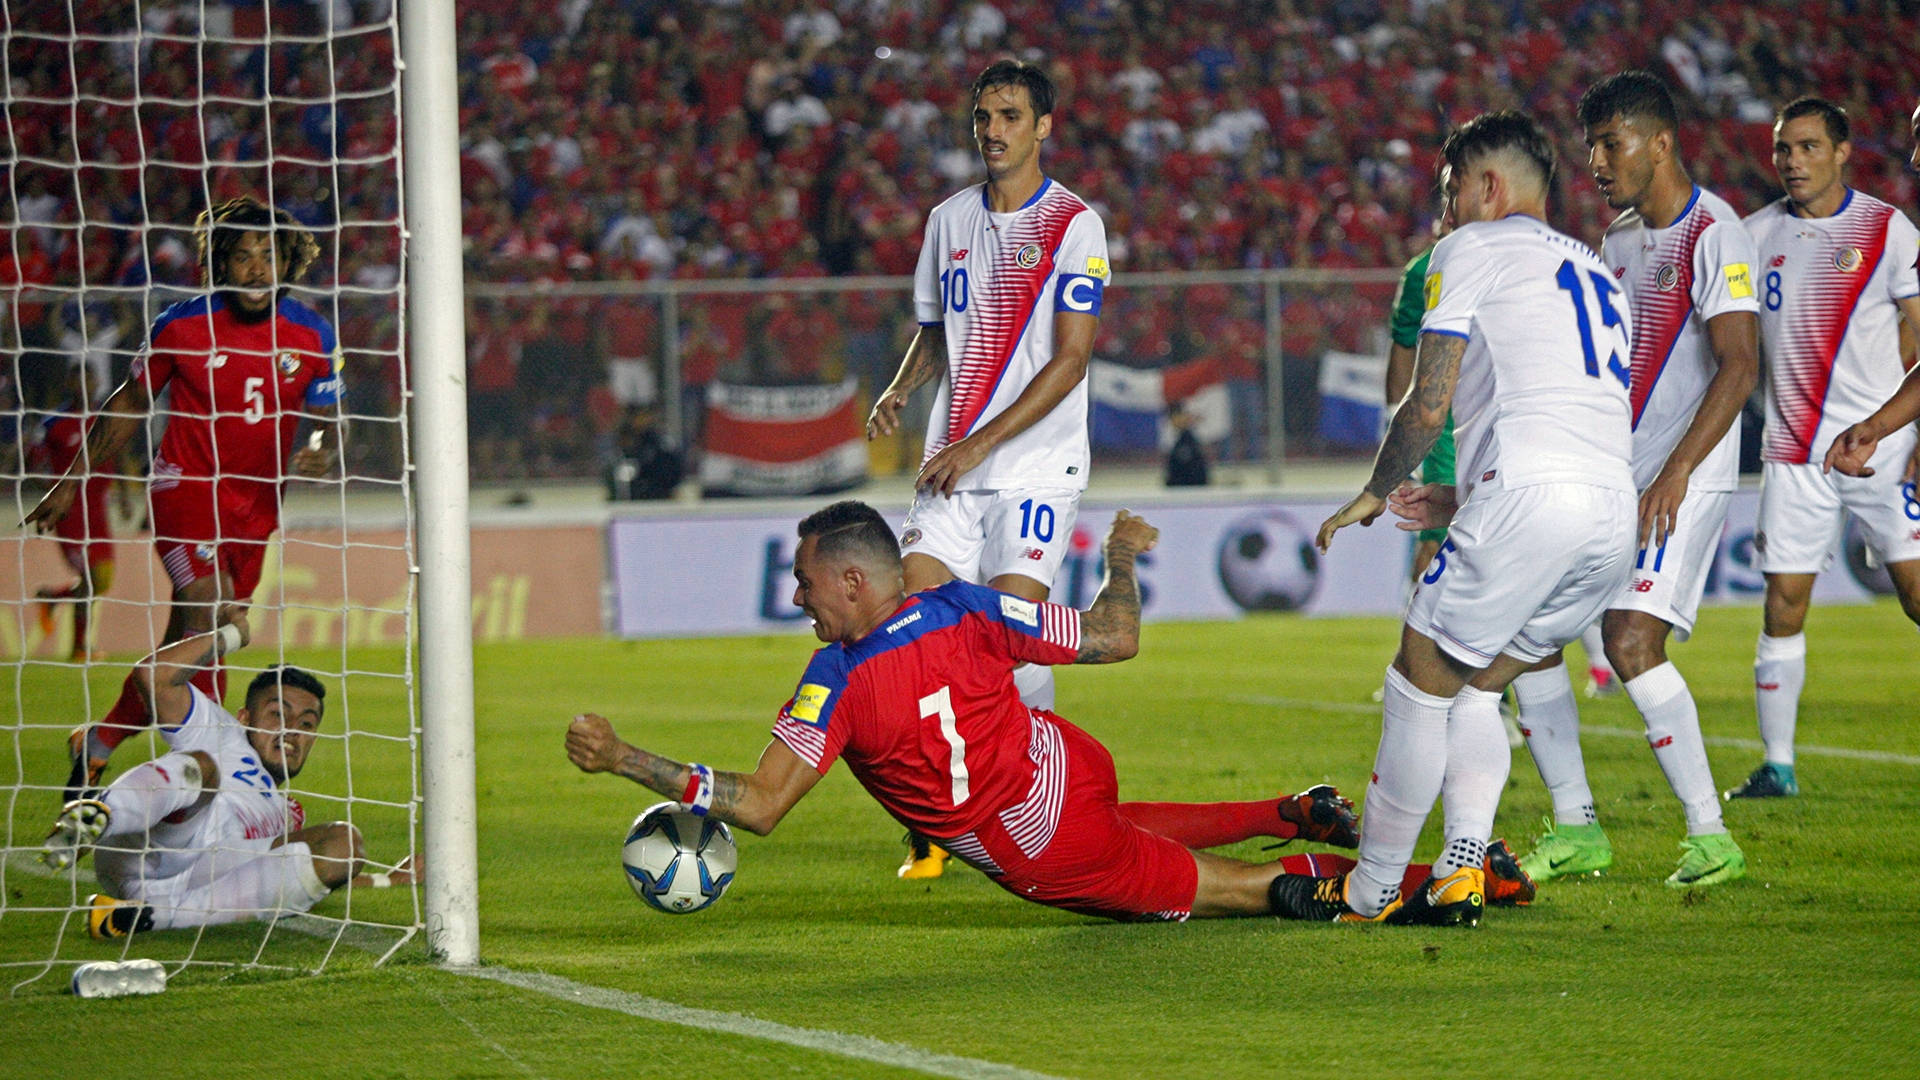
[925,712]
[237,392]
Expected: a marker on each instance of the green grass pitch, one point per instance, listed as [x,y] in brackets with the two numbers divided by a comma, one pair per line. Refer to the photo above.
[1810,966]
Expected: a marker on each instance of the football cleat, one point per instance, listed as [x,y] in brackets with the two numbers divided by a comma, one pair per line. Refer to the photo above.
[1708,860]
[1297,896]
[1321,815]
[108,918]
[80,823]
[1455,900]
[1567,849]
[1770,781]
[83,769]
[1507,884]
[925,859]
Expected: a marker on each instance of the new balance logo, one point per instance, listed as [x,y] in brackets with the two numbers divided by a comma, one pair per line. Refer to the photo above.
[1035,554]
[1766,686]
[1642,585]
[1667,741]
[957,254]
[219,360]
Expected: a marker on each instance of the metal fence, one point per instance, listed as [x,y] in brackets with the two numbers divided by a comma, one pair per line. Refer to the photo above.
[562,375]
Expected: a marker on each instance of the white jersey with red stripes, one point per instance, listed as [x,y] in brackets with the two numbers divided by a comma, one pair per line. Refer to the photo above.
[994,282]
[1829,327]
[1676,279]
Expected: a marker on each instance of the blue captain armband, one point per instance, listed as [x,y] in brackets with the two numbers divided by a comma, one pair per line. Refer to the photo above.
[1080,292]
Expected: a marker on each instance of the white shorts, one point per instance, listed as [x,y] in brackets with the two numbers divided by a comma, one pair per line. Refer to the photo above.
[1800,512]
[236,882]
[980,535]
[1668,579]
[1523,571]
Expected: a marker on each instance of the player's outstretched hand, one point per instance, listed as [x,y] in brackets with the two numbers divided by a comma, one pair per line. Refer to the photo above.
[1660,507]
[52,506]
[885,417]
[1363,508]
[1130,535]
[313,460]
[1424,506]
[592,745]
[955,460]
[1851,450]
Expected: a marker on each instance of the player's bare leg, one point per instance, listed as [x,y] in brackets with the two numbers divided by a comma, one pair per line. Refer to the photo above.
[1906,582]
[925,859]
[339,851]
[1423,553]
[1779,674]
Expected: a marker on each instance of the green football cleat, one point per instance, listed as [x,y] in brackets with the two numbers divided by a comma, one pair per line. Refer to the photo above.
[1568,849]
[1769,781]
[1709,860]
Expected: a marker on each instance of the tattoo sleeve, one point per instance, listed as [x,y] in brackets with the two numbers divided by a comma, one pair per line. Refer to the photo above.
[926,358]
[1110,629]
[669,778]
[1419,419]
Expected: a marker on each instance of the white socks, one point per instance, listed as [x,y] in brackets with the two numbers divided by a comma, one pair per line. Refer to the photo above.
[1673,730]
[150,792]
[1478,760]
[1779,673]
[1595,644]
[1408,771]
[1551,722]
[1035,683]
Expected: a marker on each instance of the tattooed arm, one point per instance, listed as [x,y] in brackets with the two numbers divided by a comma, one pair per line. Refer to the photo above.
[926,359]
[754,801]
[1110,629]
[1416,425]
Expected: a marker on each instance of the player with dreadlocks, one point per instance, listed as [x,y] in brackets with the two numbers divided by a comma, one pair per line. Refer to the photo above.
[245,364]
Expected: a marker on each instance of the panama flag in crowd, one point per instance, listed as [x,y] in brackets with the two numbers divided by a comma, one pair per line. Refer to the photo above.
[782,440]
[1128,406]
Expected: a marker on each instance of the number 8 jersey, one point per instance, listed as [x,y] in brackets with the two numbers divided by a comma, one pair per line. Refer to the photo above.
[1542,393]
[995,282]
[1828,324]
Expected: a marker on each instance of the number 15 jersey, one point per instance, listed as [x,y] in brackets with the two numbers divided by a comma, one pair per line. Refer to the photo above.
[1542,393]
[994,282]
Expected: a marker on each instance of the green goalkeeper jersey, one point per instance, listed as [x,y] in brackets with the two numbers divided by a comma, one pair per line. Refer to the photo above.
[1408,307]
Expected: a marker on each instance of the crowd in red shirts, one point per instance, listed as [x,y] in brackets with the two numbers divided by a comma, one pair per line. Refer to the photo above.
[649,140]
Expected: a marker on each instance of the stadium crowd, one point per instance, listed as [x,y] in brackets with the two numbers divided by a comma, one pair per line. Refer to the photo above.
[647,140]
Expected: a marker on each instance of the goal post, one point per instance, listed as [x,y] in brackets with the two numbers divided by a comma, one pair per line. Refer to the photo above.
[436,334]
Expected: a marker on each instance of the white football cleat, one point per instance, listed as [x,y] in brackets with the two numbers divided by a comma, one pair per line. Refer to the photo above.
[80,824]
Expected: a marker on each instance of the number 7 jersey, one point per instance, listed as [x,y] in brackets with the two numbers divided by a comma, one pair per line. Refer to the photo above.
[1542,392]
[1829,328]
[994,282]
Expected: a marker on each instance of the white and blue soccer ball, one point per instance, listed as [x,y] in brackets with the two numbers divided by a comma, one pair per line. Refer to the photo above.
[1267,562]
[678,861]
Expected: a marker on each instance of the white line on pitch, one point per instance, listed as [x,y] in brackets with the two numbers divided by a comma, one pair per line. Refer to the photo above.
[1882,756]
[859,1047]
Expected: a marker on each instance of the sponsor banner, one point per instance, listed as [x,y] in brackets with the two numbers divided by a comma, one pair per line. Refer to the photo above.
[314,593]
[788,440]
[734,574]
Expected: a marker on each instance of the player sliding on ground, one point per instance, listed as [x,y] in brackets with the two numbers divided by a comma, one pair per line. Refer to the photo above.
[917,694]
[206,833]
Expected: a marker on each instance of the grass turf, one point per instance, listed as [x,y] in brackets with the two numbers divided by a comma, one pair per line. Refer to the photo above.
[1807,965]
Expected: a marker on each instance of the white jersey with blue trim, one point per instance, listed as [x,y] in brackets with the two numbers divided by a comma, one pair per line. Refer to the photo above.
[248,812]
[994,282]
[1542,392]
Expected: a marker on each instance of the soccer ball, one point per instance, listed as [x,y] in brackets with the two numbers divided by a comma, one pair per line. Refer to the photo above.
[678,861]
[1267,562]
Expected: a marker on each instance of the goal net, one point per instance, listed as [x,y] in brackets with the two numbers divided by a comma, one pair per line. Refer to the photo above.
[124,122]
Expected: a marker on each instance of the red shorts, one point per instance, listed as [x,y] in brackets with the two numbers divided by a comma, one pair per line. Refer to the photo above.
[84,535]
[1099,863]
[194,539]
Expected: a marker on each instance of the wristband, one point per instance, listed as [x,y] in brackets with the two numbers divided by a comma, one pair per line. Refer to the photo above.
[229,638]
[698,797]
[380,881]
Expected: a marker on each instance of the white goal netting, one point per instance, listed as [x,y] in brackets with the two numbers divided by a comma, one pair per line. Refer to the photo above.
[124,121]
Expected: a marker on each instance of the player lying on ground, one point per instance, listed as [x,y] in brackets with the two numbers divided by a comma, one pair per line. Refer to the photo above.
[206,833]
[917,694]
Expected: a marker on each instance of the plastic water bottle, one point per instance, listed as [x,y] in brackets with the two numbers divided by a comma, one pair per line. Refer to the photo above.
[119,978]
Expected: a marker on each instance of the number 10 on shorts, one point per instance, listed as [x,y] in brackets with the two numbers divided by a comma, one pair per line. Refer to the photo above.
[1036,521]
